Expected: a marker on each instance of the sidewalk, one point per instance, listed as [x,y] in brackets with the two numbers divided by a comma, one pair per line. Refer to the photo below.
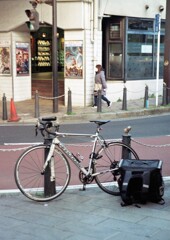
[26,110]
[83,215]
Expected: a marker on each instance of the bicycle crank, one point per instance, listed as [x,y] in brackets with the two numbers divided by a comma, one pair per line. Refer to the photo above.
[86,179]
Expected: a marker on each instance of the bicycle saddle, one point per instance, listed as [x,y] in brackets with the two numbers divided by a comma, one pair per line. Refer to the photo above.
[100,122]
[48,118]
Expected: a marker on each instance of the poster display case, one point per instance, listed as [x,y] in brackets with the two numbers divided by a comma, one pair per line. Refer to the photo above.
[5,59]
[22,58]
[73,59]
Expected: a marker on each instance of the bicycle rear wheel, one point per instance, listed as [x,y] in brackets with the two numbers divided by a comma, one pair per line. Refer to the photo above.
[40,186]
[111,155]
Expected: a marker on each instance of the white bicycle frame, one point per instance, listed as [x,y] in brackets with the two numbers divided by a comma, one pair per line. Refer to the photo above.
[61,146]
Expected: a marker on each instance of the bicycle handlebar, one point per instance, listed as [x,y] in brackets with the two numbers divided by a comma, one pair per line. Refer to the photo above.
[47,124]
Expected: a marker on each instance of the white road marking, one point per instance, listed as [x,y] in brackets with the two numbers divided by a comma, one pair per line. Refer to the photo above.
[13,144]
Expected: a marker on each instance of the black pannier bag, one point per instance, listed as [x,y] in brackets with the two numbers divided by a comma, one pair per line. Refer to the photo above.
[141,181]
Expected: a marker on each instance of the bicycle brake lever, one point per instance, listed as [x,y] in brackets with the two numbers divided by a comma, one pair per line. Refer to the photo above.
[36,130]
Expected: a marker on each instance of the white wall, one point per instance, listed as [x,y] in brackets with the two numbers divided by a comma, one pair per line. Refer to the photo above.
[135,89]
[21,84]
[12,14]
[5,80]
[18,88]
[132,8]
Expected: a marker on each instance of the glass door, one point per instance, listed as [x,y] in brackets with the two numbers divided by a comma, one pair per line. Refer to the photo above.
[115,60]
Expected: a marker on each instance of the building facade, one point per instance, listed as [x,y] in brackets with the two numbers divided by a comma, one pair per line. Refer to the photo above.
[119,35]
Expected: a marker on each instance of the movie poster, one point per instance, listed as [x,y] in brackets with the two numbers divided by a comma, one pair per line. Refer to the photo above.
[5,60]
[74,59]
[22,59]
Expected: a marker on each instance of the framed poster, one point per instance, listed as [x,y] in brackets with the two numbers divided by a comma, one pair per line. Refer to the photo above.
[73,59]
[5,59]
[22,59]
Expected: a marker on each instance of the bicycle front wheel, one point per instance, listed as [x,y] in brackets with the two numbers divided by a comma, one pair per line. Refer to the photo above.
[40,186]
[110,156]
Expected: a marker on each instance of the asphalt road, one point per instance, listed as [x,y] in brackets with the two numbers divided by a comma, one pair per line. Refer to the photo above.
[141,127]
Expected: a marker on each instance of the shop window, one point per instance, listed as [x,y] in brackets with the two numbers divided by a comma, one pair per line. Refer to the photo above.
[141,50]
[130,48]
[114,31]
[139,56]
[139,24]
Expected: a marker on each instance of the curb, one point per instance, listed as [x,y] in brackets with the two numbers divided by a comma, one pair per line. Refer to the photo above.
[87,115]
[70,187]
[115,115]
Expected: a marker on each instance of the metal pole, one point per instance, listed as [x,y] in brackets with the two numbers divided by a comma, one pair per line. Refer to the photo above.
[49,185]
[146,99]
[124,103]
[37,112]
[54,58]
[69,106]
[125,152]
[4,106]
[126,138]
[164,102]
[167,51]
[158,57]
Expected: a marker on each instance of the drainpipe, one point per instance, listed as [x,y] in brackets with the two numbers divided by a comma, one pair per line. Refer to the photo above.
[84,63]
[84,45]
[93,32]
[91,22]
[95,29]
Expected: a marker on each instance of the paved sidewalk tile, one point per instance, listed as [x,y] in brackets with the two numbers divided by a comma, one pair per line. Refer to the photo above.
[28,111]
[83,215]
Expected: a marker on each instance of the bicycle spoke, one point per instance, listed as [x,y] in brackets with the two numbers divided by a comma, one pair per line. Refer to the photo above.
[111,155]
[30,180]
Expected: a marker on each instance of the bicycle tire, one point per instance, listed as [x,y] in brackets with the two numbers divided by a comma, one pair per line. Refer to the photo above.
[111,155]
[35,185]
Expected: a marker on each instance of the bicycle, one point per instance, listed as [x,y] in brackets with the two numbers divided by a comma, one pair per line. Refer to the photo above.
[43,172]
